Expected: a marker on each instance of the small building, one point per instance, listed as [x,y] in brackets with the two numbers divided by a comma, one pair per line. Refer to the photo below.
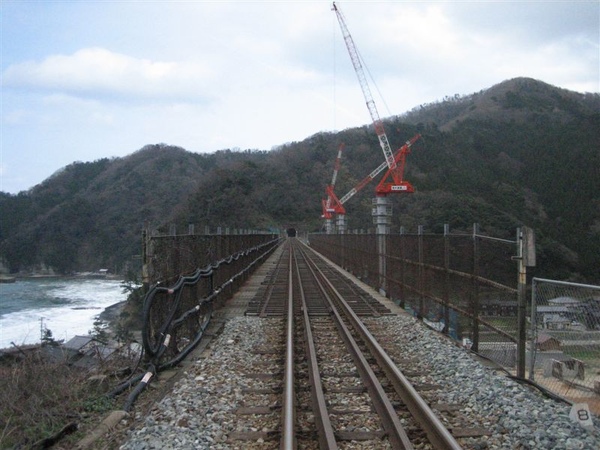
[79,344]
[499,308]
[563,301]
[554,316]
[86,351]
[80,347]
[545,342]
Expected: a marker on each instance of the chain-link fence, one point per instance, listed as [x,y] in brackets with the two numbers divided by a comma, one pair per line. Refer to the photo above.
[191,275]
[461,284]
[564,345]
[166,257]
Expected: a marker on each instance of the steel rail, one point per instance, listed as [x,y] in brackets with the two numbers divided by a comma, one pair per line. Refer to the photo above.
[437,433]
[288,434]
[396,433]
[325,432]
[352,287]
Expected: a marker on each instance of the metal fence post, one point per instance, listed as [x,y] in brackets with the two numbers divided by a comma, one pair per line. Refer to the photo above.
[402,269]
[475,288]
[342,251]
[526,258]
[381,251]
[421,274]
[146,261]
[521,307]
[532,345]
[446,291]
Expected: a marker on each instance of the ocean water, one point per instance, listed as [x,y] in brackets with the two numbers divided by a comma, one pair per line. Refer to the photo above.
[67,307]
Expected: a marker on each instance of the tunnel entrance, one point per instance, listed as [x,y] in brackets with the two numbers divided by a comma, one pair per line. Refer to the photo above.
[291,232]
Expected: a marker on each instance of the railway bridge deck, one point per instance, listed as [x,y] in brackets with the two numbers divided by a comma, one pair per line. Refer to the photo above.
[227,394]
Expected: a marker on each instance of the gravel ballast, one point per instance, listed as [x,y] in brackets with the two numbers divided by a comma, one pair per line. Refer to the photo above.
[199,412]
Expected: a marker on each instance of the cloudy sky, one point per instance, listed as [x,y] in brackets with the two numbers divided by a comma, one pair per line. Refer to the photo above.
[83,80]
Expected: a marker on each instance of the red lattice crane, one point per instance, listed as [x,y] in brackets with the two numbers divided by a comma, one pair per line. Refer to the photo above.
[393,181]
[334,205]
[331,204]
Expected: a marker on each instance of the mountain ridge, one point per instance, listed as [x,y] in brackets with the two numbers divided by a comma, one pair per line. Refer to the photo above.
[496,100]
[519,153]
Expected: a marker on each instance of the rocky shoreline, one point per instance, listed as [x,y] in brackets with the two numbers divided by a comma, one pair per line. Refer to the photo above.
[111,314]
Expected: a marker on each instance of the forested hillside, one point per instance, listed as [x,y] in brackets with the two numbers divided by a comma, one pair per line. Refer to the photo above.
[520,153]
[90,215]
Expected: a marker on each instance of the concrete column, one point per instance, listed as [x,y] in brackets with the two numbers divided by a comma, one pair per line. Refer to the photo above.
[382,215]
[341,223]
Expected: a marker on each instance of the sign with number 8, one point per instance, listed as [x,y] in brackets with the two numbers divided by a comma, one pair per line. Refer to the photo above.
[580,412]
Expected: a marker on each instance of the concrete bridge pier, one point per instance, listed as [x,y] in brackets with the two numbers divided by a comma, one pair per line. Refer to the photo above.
[382,218]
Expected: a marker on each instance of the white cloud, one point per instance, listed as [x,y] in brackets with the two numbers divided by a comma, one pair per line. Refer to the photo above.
[84,80]
[98,71]
[442,48]
[16,117]
[426,30]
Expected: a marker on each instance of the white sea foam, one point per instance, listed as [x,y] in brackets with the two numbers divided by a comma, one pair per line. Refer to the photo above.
[67,307]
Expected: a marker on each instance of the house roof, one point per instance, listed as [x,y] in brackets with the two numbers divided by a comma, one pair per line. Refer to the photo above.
[78,342]
[552,309]
[543,337]
[563,301]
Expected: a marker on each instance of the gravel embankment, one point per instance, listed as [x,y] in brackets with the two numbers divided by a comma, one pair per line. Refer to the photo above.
[518,415]
[200,411]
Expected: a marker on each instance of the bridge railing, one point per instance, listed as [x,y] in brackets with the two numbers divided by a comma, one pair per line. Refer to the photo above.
[166,256]
[461,284]
[175,314]
[178,309]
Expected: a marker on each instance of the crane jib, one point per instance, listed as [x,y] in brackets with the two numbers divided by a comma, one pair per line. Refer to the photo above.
[387,151]
[362,80]
[394,162]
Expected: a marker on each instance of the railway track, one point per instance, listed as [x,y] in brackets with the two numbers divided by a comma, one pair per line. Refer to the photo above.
[286,376]
[337,387]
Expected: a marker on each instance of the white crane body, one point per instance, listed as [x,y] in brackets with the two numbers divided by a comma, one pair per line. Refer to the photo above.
[362,79]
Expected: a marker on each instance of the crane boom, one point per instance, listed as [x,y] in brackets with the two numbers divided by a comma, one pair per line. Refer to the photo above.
[360,73]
